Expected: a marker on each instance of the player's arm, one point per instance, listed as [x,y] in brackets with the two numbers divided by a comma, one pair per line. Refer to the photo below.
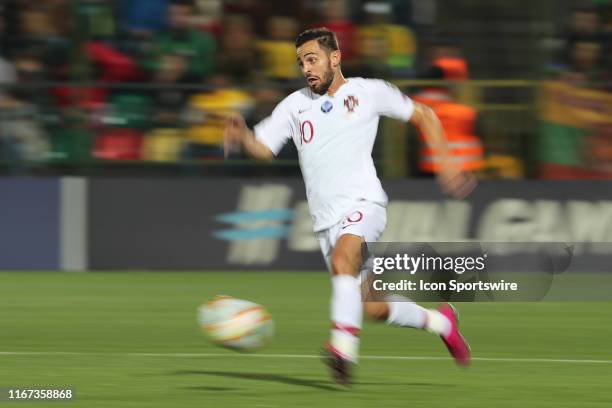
[237,133]
[453,180]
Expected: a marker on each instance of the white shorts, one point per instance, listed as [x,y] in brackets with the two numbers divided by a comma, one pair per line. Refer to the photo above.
[365,219]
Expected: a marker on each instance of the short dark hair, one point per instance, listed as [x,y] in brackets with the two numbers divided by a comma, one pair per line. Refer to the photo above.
[324,36]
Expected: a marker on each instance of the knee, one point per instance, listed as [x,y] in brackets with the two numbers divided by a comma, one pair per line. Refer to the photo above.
[376,310]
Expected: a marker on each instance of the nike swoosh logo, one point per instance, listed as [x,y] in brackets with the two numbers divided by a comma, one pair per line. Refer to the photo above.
[300,111]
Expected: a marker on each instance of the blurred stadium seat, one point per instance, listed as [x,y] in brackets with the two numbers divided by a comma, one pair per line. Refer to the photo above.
[163,145]
[119,144]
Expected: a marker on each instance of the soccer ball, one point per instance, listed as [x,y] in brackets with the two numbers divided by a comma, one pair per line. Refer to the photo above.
[236,324]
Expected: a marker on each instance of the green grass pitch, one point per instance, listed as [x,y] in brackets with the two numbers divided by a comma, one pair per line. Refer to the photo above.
[132,340]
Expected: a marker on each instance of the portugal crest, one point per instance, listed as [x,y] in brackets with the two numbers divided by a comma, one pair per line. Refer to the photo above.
[351,103]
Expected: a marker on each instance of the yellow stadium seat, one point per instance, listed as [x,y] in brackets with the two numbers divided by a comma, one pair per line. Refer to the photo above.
[163,145]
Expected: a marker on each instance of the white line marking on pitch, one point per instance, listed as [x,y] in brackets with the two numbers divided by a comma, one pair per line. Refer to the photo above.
[239,355]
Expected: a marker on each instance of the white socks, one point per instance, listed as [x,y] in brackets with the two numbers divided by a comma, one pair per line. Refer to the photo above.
[346,316]
[437,323]
[403,312]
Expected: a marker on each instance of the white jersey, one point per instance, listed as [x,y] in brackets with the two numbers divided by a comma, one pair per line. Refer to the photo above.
[334,136]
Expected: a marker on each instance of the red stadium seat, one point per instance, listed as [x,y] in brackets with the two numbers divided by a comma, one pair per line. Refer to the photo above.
[119,144]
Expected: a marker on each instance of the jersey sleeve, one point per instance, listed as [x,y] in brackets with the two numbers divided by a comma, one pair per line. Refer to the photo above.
[390,101]
[275,130]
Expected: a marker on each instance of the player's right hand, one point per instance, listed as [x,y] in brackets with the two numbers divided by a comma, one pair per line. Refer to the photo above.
[234,133]
[455,182]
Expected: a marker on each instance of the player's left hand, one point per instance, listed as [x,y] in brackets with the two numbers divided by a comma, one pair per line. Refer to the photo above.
[456,183]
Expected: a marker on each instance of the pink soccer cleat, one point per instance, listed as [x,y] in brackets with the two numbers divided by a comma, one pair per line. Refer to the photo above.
[454,341]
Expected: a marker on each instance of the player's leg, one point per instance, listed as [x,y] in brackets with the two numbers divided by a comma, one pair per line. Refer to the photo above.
[346,306]
[344,262]
[401,311]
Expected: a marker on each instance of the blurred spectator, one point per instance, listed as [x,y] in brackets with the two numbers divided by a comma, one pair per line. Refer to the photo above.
[278,50]
[381,40]
[95,19]
[336,17]
[371,45]
[45,26]
[165,141]
[31,71]
[575,120]
[140,21]
[22,137]
[583,22]
[112,65]
[97,61]
[259,11]
[238,58]
[206,115]
[209,16]
[41,20]
[584,62]
[196,47]
[8,76]
[171,95]
[459,122]
[22,130]
[448,57]
[143,18]
[574,138]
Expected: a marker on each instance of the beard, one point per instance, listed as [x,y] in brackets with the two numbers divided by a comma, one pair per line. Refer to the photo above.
[324,82]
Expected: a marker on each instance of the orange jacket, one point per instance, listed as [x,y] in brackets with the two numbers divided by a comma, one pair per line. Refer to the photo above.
[454,68]
[458,121]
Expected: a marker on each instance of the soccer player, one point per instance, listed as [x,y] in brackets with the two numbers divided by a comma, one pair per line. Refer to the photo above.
[333,123]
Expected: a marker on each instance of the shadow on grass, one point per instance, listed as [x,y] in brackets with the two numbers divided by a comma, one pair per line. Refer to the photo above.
[205,388]
[283,379]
